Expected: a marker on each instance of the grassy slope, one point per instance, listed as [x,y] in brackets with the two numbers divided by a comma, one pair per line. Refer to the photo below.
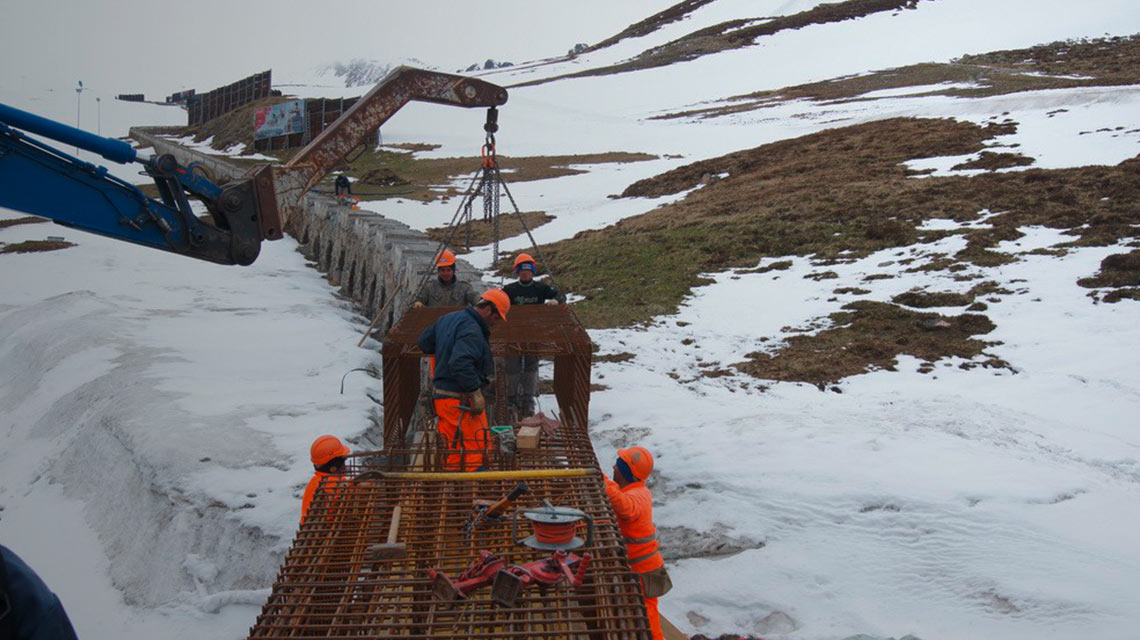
[836,194]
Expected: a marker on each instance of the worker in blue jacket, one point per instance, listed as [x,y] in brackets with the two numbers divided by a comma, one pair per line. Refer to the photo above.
[460,342]
[28,609]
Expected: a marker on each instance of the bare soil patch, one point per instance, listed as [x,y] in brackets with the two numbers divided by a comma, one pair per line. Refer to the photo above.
[928,299]
[35,246]
[871,335]
[4,224]
[482,232]
[413,146]
[386,173]
[624,356]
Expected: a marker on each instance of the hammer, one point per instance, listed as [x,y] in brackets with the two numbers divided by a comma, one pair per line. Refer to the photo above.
[389,550]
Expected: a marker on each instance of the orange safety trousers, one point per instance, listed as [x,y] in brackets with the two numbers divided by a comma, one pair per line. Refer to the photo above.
[633,506]
[654,618]
[464,434]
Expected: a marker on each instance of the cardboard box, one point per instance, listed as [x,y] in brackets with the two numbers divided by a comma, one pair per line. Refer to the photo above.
[529,437]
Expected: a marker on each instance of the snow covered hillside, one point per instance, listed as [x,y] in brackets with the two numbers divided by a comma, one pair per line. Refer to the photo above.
[157,411]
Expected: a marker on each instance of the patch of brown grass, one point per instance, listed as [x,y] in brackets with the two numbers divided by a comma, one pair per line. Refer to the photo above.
[35,246]
[779,265]
[482,232]
[1119,272]
[867,336]
[624,356]
[732,34]
[1111,60]
[413,146]
[1104,62]
[926,299]
[679,11]
[990,161]
[838,194]
[385,173]
[4,224]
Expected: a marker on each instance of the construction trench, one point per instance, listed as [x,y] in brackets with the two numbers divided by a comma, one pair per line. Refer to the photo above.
[334,584]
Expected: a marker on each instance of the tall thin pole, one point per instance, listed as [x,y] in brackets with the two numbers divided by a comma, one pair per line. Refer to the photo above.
[78,93]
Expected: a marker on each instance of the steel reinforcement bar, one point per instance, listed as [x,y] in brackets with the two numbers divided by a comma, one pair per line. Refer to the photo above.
[330,585]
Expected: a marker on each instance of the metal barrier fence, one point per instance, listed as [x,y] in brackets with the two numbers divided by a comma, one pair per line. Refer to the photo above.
[207,106]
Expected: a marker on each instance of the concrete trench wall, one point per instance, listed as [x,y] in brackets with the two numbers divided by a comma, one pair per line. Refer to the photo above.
[370,257]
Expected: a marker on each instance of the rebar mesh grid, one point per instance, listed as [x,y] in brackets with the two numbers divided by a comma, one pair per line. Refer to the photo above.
[329,587]
[568,447]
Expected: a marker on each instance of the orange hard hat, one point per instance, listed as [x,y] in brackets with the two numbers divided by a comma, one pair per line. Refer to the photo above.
[523,258]
[445,259]
[639,459]
[326,448]
[500,299]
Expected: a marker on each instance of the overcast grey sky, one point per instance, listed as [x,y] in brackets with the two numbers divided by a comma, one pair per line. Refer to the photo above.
[157,46]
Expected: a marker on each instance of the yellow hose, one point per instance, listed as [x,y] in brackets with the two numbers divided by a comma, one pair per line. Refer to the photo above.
[476,475]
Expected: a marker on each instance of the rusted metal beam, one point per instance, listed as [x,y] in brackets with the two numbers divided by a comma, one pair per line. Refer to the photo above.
[359,122]
[402,85]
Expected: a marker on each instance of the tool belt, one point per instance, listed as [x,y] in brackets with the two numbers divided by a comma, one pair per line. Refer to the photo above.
[444,393]
[656,583]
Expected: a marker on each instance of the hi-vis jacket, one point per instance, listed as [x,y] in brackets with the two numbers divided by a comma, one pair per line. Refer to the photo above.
[311,489]
[633,505]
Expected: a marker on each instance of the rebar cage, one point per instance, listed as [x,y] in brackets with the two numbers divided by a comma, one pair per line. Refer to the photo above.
[331,586]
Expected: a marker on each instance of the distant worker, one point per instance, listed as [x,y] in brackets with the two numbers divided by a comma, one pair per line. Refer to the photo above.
[343,186]
[522,371]
[633,506]
[28,608]
[445,290]
[328,454]
[460,342]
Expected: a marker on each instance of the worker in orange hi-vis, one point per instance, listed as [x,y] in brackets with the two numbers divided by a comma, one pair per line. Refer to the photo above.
[460,342]
[328,455]
[633,505]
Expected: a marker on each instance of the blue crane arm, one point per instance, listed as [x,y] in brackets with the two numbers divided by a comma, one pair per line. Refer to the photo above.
[44,181]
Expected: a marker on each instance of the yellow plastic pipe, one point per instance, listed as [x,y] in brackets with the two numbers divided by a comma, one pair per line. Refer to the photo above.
[476,475]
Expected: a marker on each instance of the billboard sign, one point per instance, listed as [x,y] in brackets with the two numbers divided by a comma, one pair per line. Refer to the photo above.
[279,120]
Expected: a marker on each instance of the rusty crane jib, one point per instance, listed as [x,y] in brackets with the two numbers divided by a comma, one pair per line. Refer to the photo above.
[279,188]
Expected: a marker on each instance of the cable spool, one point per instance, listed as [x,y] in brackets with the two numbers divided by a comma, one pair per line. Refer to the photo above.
[555,534]
[553,527]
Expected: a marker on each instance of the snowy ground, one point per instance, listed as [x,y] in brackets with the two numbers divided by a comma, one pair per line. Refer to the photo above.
[957,504]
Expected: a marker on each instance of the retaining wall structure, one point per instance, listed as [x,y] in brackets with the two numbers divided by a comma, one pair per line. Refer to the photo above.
[371,258]
[204,107]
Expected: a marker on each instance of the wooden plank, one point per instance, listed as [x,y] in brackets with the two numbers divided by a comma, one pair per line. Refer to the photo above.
[671,632]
